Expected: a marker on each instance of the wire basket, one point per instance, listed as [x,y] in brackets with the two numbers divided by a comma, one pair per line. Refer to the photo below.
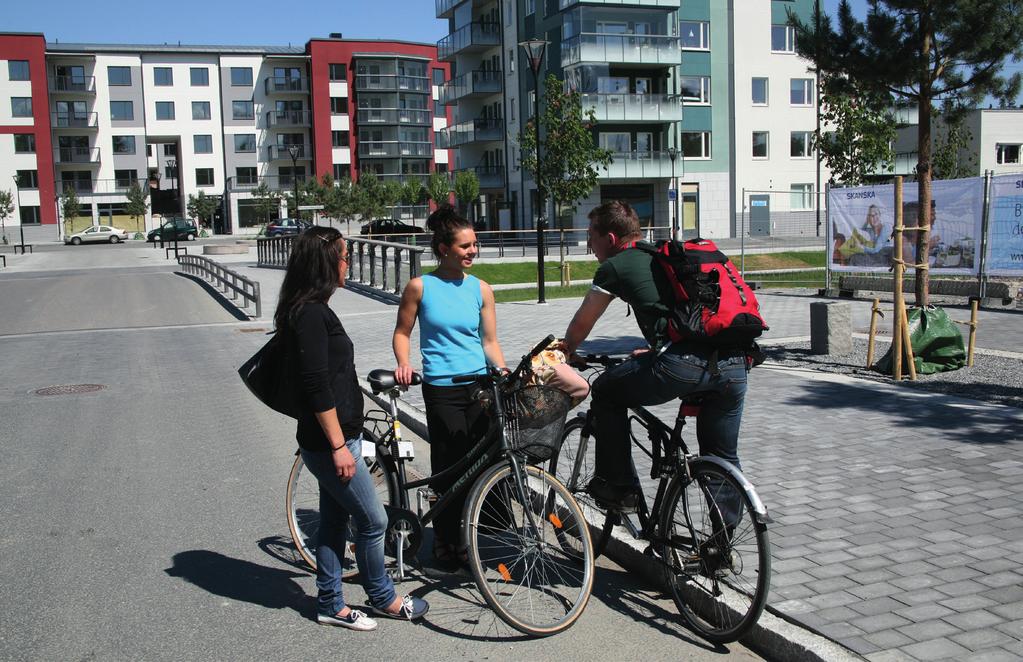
[536,419]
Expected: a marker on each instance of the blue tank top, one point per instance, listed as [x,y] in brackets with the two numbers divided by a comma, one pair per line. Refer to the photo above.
[449,329]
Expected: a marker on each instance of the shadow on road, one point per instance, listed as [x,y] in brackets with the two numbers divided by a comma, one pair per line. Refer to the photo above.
[217,295]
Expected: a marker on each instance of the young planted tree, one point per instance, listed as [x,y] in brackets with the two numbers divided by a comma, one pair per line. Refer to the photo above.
[924,52]
[438,188]
[6,210]
[201,207]
[412,191]
[341,203]
[952,158]
[370,197]
[267,200]
[138,204]
[467,190]
[70,207]
[860,129]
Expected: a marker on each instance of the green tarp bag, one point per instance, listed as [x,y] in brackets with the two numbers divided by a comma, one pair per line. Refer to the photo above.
[937,343]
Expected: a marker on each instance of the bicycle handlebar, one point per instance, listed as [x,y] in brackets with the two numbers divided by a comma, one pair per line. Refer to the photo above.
[591,360]
[495,374]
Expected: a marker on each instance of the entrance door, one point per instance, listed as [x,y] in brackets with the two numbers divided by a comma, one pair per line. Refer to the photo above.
[759,215]
[689,204]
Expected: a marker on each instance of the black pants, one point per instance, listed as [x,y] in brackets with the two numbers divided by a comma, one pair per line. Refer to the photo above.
[456,422]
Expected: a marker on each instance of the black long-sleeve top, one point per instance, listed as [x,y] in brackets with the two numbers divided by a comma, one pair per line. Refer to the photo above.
[323,359]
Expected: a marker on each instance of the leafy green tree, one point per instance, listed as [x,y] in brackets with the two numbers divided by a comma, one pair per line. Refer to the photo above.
[369,198]
[923,52]
[390,192]
[266,199]
[138,204]
[6,210]
[858,129]
[952,156]
[201,207]
[412,191]
[341,202]
[467,189]
[70,207]
[438,188]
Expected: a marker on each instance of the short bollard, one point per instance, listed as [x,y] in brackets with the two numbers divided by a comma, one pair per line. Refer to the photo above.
[830,328]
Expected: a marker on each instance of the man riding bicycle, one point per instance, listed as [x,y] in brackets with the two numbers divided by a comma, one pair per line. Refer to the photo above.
[656,374]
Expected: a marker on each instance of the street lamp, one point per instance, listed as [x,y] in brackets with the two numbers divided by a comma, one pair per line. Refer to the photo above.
[672,155]
[535,49]
[21,216]
[294,150]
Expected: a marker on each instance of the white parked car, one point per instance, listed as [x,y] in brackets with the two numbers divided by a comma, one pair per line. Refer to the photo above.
[105,233]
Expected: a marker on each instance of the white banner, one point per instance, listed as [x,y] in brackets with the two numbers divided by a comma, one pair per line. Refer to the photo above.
[861,221]
[1005,227]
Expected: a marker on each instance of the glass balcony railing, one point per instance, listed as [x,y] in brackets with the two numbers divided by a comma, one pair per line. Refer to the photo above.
[285,85]
[489,176]
[673,4]
[63,155]
[472,84]
[283,152]
[472,38]
[273,182]
[620,49]
[634,107]
[288,118]
[98,186]
[73,84]
[639,164]
[445,7]
[74,120]
[394,116]
[394,149]
[478,130]
[393,83]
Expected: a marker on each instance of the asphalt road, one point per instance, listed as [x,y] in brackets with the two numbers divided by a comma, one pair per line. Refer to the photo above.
[145,520]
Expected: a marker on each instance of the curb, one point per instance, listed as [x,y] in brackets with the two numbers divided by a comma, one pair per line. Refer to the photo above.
[773,636]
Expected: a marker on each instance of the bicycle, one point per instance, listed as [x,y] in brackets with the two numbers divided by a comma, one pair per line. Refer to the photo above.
[528,543]
[717,562]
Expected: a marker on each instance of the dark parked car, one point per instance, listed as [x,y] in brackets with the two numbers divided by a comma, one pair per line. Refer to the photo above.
[183,228]
[388,229]
[287,226]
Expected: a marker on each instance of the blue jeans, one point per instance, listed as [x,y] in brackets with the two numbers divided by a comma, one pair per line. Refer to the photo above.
[356,499]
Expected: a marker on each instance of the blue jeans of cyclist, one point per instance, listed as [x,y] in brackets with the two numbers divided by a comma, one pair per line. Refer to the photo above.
[356,500]
[655,378]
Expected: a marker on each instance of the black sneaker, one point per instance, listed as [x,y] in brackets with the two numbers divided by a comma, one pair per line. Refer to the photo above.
[411,609]
[614,497]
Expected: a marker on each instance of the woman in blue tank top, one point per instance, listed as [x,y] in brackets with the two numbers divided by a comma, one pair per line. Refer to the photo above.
[457,336]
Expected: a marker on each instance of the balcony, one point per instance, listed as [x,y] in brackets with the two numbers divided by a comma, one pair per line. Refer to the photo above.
[98,186]
[283,153]
[395,116]
[642,164]
[671,4]
[488,176]
[634,107]
[472,38]
[472,84]
[621,49]
[74,120]
[394,149]
[445,8]
[76,155]
[273,182]
[478,130]
[73,85]
[286,85]
[393,83]
[288,118]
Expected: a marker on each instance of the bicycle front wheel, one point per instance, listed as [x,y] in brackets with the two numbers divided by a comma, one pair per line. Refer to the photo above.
[717,555]
[574,465]
[516,526]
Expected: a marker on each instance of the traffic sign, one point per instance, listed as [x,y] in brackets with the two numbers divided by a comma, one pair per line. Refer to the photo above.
[672,194]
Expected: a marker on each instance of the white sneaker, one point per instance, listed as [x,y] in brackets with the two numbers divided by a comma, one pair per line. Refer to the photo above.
[355,620]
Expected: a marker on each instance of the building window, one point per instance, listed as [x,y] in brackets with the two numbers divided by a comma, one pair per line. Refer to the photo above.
[339,138]
[695,35]
[119,75]
[241,76]
[759,91]
[439,110]
[124,144]
[1007,153]
[242,110]
[338,72]
[338,105]
[441,167]
[204,176]
[149,150]
[245,142]
[202,144]
[164,110]
[783,39]
[530,7]
[201,110]
[438,76]
[696,144]
[122,110]
[760,142]
[800,141]
[801,196]
[170,149]
[696,89]
[28,179]
[200,76]
[24,143]
[125,178]
[21,106]
[17,70]
[245,175]
[801,92]
[342,171]
[30,215]
[163,76]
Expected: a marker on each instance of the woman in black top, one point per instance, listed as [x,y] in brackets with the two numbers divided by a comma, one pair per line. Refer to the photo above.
[330,432]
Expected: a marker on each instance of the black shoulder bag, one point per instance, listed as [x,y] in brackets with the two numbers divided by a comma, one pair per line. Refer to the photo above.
[266,374]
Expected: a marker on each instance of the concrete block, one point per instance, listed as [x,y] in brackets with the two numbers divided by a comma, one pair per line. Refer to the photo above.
[831,327]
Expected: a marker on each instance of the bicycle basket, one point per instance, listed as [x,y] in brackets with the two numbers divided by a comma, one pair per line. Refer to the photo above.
[536,419]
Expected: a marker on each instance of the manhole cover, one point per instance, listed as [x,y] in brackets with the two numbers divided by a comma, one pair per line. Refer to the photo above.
[69,389]
[257,330]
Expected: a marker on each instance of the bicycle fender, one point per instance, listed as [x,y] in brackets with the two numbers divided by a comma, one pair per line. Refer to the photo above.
[759,511]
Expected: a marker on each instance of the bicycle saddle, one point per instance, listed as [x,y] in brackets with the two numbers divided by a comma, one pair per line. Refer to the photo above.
[381,380]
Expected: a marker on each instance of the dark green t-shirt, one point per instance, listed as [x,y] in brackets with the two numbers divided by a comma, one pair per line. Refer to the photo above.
[635,277]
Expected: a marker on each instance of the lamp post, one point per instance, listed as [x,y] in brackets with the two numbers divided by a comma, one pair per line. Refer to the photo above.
[21,217]
[535,49]
[293,150]
[672,155]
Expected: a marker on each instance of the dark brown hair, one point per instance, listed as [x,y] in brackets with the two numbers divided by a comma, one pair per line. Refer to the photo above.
[312,273]
[615,216]
[444,223]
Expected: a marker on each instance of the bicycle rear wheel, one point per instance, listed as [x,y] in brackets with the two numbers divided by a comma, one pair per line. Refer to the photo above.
[517,536]
[302,505]
[717,555]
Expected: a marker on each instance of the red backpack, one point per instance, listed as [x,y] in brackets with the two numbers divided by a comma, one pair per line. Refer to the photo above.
[713,304]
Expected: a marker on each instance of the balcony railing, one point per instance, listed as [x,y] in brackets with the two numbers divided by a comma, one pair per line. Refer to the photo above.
[283,152]
[478,130]
[639,164]
[471,38]
[273,182]
[393,83]
[565,4]
[394,116]
[634,107]
[73,84]
[445,7]
[286,85]
[474,83]
[63,155]
[394,149]
[74,120]
[288,118]
[97,186]
[489,176]
[620,48]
